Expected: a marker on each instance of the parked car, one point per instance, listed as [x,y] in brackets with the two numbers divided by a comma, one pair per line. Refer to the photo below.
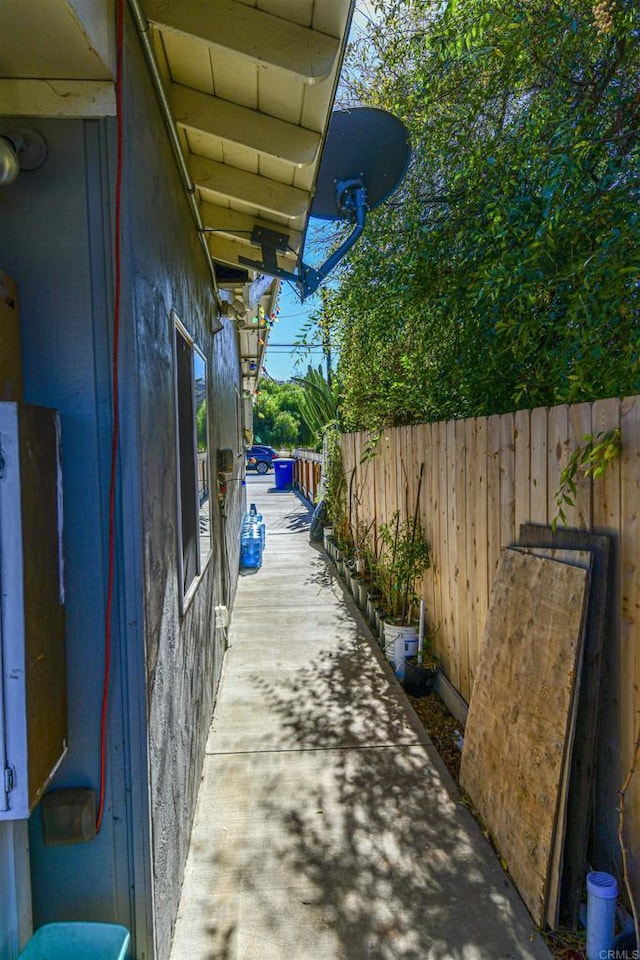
[260,458]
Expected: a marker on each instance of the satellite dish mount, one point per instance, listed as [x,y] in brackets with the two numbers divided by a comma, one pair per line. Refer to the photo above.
[365,157]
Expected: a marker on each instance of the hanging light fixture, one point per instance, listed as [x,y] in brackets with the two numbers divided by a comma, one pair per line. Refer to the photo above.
[20,149]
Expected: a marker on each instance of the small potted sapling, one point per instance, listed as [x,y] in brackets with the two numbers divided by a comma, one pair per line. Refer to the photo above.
[404,557]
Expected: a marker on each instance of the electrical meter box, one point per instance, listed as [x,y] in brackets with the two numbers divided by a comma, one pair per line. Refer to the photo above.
[33,700]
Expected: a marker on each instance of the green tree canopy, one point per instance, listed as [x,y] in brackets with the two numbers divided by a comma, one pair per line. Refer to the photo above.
[277,415]
[505,271]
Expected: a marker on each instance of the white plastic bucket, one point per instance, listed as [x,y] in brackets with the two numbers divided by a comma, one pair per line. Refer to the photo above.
[399,643]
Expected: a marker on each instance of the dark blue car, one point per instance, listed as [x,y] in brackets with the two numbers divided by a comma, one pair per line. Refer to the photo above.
[260,458]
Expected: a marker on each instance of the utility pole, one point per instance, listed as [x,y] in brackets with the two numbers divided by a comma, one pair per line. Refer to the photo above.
[325,334]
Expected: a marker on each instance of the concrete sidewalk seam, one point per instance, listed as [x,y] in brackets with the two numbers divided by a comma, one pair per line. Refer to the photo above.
[355,748]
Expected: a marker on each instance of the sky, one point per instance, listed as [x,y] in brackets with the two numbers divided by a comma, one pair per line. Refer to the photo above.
[283,360]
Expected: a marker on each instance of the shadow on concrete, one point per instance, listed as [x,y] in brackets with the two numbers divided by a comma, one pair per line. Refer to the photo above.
[341,834]
[368,822]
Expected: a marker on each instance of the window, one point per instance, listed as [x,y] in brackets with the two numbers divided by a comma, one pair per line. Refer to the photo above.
[194,514]
[239,431]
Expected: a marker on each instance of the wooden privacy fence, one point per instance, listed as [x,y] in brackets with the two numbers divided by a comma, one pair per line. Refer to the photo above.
[482,478]
[307,471]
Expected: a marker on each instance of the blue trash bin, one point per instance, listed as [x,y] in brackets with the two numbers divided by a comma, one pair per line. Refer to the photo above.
[283,467]
[77,941]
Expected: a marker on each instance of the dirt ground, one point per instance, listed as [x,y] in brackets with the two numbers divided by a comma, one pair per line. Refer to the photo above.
[446,733]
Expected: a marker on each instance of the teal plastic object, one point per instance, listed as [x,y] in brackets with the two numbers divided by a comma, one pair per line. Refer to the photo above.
[77,941]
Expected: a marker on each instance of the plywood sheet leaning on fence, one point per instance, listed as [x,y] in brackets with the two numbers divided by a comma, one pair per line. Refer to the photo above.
[519,730]
[568,545]
[568,858]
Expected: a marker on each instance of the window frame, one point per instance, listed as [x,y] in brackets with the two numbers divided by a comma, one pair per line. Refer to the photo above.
[187,472]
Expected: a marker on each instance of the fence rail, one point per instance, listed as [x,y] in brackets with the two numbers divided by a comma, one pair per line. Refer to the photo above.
[307,472]
[482,478]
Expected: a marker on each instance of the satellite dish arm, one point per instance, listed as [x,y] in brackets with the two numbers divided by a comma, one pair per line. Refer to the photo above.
[351,202]
[352,199]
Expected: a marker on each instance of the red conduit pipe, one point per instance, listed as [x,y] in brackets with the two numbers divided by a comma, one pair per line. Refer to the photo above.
[116,419]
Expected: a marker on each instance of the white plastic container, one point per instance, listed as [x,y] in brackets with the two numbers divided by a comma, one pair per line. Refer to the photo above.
[602,892]
[399,643]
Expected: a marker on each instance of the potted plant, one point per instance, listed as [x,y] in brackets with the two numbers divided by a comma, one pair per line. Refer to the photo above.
[420,671]
[418,677]
[362,578]
[404,557]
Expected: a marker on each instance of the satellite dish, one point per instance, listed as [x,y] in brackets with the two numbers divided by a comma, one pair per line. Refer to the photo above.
[366,144]
[365,157]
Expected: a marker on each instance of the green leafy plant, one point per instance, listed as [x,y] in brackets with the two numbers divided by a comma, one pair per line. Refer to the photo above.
[590,459]
[334,487]
[319,405]
[404,556]
[504,272]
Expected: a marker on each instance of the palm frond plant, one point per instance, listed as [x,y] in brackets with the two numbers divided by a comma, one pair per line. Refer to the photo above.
[319,408]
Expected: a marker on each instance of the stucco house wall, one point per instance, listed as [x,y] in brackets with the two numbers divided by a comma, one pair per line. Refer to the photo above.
[57,243]
[183,651]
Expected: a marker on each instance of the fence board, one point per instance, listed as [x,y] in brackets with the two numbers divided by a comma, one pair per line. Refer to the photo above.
[605,499]
[446,643]
[388,490]
[471,549]
[412,457]
[493,497]
[380,499]
[508,531]
[485,477]
[558,455]
[402,480]
[480,506]
[579,428]
[348,461]
[460,572]
[366,488]
[358,495]
[452,546]
[538,492]
[630,618]
[368,483]
[606,490]
[436,560]
[429,523]
[522,467]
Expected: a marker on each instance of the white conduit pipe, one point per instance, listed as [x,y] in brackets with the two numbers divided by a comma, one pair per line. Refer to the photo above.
[4,798]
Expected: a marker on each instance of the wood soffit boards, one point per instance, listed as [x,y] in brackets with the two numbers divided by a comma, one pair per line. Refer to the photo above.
[251,85]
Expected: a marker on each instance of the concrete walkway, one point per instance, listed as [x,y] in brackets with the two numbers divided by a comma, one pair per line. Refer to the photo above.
[327,827]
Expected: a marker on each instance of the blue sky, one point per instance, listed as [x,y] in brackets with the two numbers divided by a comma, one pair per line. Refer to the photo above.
[283,362]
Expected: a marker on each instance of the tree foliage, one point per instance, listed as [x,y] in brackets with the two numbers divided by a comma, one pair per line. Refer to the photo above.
[505,271]
[278,418]
[319,405]
[201,426]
